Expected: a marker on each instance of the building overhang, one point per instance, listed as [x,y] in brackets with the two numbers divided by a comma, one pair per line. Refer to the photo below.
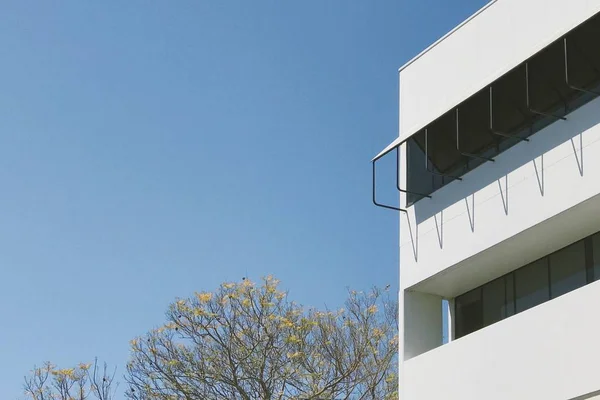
[536,91]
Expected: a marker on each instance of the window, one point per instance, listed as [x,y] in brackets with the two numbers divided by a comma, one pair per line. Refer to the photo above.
[547,278]
[494,299]
[567,269]
[596,256]
[510,306]
[532,285]
[468,313]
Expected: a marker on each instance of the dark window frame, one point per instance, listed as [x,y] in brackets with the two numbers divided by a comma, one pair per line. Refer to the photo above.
[588,252]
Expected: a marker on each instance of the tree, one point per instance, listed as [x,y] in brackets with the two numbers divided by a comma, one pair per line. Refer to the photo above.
[82,382]
[247,341]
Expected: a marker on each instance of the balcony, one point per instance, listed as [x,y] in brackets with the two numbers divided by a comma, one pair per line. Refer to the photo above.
[537,198]
[548,352]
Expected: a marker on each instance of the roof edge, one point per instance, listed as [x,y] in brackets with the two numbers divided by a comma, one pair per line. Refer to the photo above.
[421,54]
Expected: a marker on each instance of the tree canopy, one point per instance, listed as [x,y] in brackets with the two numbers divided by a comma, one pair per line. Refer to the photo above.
[84,381]
[248,341]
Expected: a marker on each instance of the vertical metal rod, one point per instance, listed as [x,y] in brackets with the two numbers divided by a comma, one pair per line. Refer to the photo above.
[567,73]
[426,151]
[457,129]
[494,132]
[398,178]
[458,143]
[527,84]
[528,98]
[566,61]
[375,194]
[427,161]
[491,108]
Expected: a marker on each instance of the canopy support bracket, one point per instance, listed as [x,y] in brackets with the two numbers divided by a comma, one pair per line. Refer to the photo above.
[492,130]
[567,73]
[427,161]
[398,178]
[397,148]
[458,144]
[528,97]
[375,194]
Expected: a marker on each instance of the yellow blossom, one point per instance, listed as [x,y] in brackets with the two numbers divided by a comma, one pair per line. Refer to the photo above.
[286,323]
[68,372]
[199,312]
[204,297]
[293,339]
[228,285]
[377,333]
[247,283]
[271,289]
[171,325]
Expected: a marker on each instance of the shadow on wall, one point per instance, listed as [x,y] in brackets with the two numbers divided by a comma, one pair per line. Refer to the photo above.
[533,151]
[589,396]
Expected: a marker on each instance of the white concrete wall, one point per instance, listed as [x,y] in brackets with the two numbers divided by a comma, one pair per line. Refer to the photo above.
[422,322]
[536,198]
[487,46]
[549,352]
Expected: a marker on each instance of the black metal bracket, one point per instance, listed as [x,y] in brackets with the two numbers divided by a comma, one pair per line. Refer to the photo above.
[567,73]
[398,178]
[492,130]
[458,144]
[397,148]
[427,161]
[531,110]
[375,194]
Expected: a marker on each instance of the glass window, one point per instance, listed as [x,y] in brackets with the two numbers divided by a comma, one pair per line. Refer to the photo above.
[567,269]
[494,300]
[469,315]
[549,277]
[596,250]
[531,283]
[509,306]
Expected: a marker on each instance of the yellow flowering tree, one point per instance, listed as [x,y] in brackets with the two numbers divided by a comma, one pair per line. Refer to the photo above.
[85,381]
[249,341]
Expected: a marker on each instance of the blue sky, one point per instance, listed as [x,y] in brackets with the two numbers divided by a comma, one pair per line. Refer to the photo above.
[153,149]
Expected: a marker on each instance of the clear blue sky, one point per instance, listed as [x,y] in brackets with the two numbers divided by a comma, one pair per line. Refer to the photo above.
[151,149]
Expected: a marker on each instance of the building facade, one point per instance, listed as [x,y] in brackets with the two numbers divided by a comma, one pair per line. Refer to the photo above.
[498,170]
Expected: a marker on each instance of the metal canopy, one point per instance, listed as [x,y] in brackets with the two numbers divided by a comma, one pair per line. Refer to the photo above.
[543,89]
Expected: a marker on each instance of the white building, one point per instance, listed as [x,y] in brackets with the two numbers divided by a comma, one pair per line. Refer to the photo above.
[499,179]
